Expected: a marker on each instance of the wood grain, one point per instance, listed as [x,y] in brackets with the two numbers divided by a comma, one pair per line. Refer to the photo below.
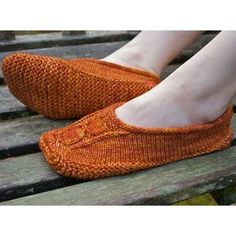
[5,36]
[10,107]
[163,185]
[52,39]
[166,184]
[26,175]
[20,136]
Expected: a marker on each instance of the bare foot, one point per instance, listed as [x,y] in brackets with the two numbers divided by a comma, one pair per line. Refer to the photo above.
[196,93]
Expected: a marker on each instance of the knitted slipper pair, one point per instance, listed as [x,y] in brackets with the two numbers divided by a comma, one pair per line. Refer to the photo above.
[63,89]
[101,145]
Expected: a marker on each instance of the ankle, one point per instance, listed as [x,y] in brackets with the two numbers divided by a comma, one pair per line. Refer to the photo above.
[201,98]
[131,57]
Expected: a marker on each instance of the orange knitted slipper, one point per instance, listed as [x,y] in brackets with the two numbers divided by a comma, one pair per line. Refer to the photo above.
[101,145]
[60,89]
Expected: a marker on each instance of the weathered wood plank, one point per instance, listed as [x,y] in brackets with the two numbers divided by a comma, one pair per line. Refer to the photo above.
[7,35]
[103,49]
[53,39]
[225,196]
[163,185]
[167,184]
[73,32]
[10,107]
[27,175]
[20,136]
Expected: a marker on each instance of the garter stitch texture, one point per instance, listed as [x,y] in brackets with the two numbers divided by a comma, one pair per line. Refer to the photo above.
[101,145]
[60,89]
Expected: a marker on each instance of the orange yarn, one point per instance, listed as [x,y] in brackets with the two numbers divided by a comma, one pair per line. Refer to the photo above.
[61,89]
[101,145]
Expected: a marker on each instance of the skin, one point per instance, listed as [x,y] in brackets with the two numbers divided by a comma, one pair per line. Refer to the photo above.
[196,93]
[153,50]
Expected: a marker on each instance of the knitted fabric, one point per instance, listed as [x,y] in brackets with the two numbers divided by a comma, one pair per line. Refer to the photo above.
[60,89]
[101,145]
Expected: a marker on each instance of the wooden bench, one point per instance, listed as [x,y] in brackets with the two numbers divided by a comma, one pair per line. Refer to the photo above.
[26,178]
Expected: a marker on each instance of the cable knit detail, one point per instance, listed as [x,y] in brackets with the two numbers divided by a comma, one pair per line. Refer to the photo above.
[101,145]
